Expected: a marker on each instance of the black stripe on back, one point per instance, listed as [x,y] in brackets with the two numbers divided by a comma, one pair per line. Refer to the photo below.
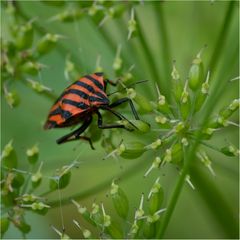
[80,105]
[95,81]
[85,85]
[77,92]
[55,111]
[63,113]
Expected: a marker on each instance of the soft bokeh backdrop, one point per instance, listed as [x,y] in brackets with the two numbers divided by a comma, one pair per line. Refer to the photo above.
[189,26]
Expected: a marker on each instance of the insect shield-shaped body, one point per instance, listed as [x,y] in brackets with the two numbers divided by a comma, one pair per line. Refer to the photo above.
[79,102]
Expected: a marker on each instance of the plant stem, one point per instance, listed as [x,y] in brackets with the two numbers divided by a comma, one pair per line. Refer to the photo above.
[164,43]
[222,36]
[148,55]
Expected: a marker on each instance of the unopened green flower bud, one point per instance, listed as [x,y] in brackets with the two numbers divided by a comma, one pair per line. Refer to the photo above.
[37,86]
[149,230]
[9,156]
[162,105]
[131,93]
[184,141]
[196,73]
[140,212]
[32,154]
[154,145]
[47,43]
[177,85]
[29,198]
[24,36]
[120,200]
[7,150]
[161,119]
[87,234]
[131,150]
[127,78]
[96,215]
[201,97]
[4,223]
[36,179]
[185,96]
[9,68]
[168,155]
[84,212]
[23,226]
[179,127]
[114,231]
[177,153]
[141,126]
[61,179]
[217,122]
[185,102]
[39,206]
[230,151]
[156,163]
[12,98]
[206,161]
[31,68]
[93,9]
[134,229]
[234,105]
[68,15]
[229,110]
[205,88]
[207,133]
[117,63]
[132,25]
[106,218]
[18,180]
[155,197]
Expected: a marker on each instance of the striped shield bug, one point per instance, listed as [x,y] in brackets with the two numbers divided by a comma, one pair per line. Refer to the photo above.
[79,102]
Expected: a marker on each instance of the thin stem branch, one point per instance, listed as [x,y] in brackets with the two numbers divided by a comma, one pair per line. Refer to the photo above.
[101,186]
[166,54]
[150,59]
[219,46]
[206,144]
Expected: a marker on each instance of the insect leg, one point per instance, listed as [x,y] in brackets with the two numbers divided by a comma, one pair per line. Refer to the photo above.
[104,126]
[123,100]
[107,81]
[76,134]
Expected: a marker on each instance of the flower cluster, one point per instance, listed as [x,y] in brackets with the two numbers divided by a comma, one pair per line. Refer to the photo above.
[144,221]
[18,187]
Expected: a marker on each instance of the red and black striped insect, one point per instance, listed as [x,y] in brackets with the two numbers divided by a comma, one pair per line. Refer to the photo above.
[79,102]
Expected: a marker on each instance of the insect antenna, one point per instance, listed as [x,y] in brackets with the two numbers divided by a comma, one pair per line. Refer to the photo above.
[127,86]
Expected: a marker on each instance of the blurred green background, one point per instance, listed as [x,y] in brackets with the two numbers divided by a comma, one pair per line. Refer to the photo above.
[188,26]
